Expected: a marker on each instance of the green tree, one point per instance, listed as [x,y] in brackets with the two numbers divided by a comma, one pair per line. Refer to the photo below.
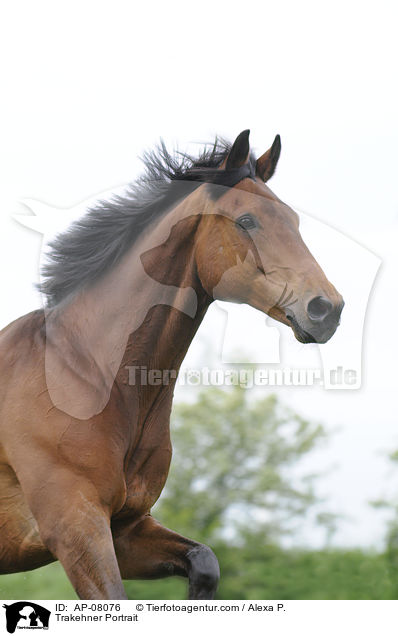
[233,467]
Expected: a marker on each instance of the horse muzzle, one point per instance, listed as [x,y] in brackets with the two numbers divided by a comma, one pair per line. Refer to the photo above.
[318,322]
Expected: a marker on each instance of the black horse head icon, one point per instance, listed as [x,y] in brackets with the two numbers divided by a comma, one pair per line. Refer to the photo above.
[36,615]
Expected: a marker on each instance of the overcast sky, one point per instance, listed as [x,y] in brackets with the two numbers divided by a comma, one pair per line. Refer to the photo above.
[87,87]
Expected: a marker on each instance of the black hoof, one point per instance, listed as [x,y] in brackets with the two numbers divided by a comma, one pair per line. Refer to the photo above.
[204,573]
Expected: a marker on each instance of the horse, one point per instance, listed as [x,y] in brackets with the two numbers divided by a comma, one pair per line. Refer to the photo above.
[85,451]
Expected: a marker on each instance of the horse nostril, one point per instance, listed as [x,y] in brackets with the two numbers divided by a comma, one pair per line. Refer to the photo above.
[318,308]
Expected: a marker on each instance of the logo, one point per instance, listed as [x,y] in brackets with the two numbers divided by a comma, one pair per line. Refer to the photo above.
[26,615]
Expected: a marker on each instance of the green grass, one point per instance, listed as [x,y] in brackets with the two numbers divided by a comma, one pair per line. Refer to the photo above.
[262,572]
[49,582]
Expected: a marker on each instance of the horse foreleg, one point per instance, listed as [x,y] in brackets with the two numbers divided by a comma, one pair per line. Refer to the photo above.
[147,550]
[75,527]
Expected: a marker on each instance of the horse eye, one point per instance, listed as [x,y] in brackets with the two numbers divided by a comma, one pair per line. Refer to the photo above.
[246,222]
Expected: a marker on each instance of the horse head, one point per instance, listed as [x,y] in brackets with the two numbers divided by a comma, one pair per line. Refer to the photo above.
[249,249]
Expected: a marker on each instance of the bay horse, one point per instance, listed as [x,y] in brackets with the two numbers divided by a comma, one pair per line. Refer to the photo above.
[85,452]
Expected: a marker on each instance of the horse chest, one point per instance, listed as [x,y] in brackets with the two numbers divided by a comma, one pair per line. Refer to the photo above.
[146,476]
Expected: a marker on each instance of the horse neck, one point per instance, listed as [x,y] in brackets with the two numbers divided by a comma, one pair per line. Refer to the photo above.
[175,307]
[146,310]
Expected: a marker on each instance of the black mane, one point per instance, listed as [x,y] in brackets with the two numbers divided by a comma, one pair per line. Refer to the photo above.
[96,242]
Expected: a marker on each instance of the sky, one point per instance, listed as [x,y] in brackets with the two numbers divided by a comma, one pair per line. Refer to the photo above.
[88,87]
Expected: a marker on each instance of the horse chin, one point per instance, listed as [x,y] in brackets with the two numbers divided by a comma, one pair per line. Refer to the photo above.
[307,338]
[300,334]
[304,337]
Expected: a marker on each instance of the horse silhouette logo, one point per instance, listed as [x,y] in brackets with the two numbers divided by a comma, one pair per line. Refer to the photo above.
[26,615]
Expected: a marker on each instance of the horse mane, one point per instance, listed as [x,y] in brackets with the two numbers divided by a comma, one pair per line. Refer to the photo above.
[93,244]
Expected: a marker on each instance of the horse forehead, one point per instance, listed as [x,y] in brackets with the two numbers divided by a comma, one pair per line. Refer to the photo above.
[256,190]
[257,196]
[252,196]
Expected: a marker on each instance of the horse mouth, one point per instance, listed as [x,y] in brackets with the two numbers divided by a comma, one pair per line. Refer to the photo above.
[300,334]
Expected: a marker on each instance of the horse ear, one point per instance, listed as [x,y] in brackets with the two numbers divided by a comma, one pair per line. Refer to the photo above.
[239,152]
[266,164]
